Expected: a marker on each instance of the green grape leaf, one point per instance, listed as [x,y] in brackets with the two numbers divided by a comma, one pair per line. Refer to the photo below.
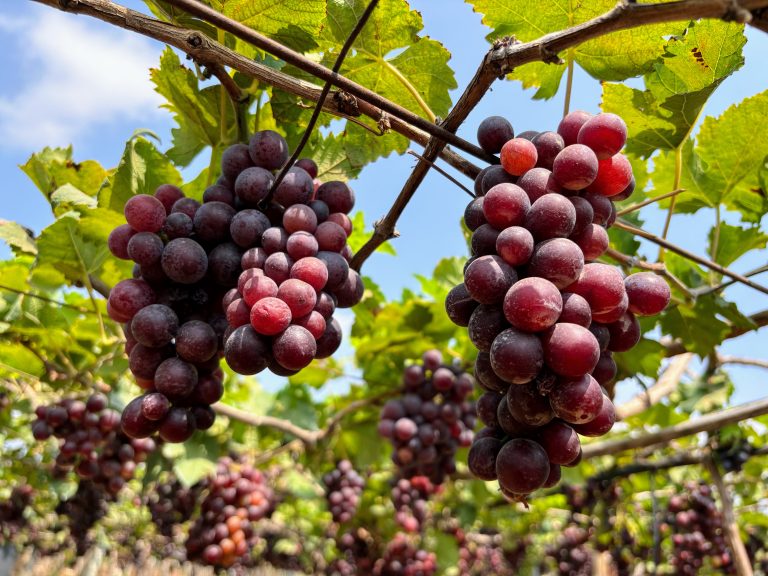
[195,111]
[16,360]
[67,198]
[735,241]
[544,77]
[141,170]
[18,237]
[360,236]
[645,358]
[696,324]
[293,23]
[52,168]
[190,471]
[418,78]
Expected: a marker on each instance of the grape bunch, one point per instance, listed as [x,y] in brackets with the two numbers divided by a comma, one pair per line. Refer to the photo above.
[402,558]
[410,497]
[543,314]
[83,509]
[572,554]
[697,533]
[735,455]
[12,519]
[223,534]
[247,274]
[343,489]
[431,420]
[358,554]
[171,503]
[91,441]
[482,553]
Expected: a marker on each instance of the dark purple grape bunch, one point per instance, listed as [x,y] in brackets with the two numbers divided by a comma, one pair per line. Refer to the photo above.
[91,441]
[357,554]
[12,519]
[171,503]
[572,554]
[544,316]
[83,510]
[402,558]
[223,535]
[696,528]
[343,490]
[410,497]
[431,420]
[295,262]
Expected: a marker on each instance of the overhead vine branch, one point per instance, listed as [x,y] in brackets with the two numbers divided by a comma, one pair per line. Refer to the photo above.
[706,423]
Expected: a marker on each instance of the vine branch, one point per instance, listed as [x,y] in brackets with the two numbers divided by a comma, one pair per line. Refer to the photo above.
[663,387]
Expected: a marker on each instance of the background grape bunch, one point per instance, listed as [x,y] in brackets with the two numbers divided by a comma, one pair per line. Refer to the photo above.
[12,519]
[543,314]
[343,489]
[171,503]
[91,442]
[252,274]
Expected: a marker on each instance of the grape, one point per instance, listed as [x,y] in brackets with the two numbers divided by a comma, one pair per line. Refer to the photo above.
[473,214]
[548,146]
[212,221]
[175,378]
[625,333]
[154,325]
[338,269]
[528,134]
[257,288]
[351,291]
[626,193]
[570,350]
[648,293]
[342,220]
[486,376]
[184,261]
[505,205]
[144,213]
[613,176]
[571,124]
[493,132]
[224,264]
[308,165]
[555,474]
[168,194]
[483,241]
[295,188]
[253,258]
[330,236]
[602,286]
[186,206]
[493,176]
[274,239]
[196,342]
[219,193]
[238,313]
[209,389]
[130,296]
[298,295]
[605,370]
[268,149]
[602,423]
[314,322]
[312,271]
[517,357]
[247,227]
[551,216]
[295,348]
[118,241]
[605,133]
[575,310]
[514,245]
[329,342]
[488,278]
[575,167]
[177,225]
[560,442]
[253,185]
[478,186]
[278,267]
[343,490]
[601,334]
[487,407]
[577,401]
[301,245]
[270,316]
[134,424]
[584,214]
[558,260]
[537,182]
[178,425]
[487,322]
[518,155]
[533,304]
[528,406]
[522,466]
[154,406]
[96,403]
[234,160]
[482,458]
[593,241]
[326,305]
[246,351]
[320,209]
[459,305]
[613,314]
[337,195]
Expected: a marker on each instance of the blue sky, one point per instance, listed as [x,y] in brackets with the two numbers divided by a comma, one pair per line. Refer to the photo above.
[71,79]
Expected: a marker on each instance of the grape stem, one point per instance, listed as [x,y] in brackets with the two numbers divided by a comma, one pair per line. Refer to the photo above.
[706,423]
[646,202]
[622,225]
[740,557]
[442,172]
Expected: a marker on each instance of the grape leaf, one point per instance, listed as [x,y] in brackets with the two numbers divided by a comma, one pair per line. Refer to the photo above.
[645,358]
[141,170]
[52,168]
[697,325]
[67,198]
[16,359]
[18,237]
[735,241]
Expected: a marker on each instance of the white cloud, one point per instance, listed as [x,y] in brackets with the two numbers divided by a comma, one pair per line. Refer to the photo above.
[76,75]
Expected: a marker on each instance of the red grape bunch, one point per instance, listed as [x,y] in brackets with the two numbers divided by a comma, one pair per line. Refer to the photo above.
[343,489]
[91,441]
[431,420]
[697,532]
[243,275]
[402,558]
[223,534]
[544,315]
[410,497]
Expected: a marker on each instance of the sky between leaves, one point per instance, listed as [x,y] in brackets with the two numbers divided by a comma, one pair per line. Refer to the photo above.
[68,79]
